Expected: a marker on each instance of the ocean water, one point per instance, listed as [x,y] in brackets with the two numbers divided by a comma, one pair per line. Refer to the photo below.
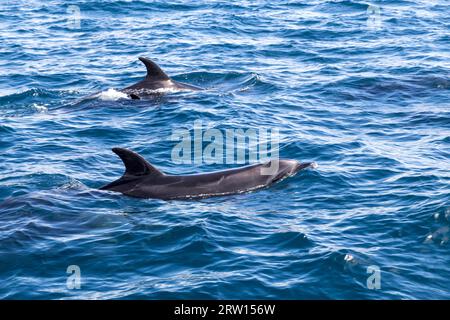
[360,88]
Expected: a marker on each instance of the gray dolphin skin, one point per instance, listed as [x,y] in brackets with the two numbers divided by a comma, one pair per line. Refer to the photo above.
[142,180]
[156,79]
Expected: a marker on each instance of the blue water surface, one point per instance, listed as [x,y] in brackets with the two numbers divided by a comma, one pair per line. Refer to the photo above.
[361,88]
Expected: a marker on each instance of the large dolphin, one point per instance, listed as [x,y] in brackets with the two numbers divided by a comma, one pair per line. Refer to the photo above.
[142,180]
[155,81]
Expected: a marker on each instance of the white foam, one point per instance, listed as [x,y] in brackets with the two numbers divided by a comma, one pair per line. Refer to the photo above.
[39,108]
[349,258]
[112,95]
[168,90]
[314,165]
[159,90]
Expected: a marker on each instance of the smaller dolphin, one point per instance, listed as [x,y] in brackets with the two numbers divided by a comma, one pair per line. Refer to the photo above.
[155,81]
[142,180]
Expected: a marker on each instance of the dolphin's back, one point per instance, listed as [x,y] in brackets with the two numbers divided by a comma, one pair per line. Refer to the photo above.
[208,184]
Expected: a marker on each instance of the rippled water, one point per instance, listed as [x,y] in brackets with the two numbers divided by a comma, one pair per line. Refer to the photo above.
[362,90]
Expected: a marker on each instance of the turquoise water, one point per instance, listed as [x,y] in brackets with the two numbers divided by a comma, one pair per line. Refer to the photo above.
[362,90]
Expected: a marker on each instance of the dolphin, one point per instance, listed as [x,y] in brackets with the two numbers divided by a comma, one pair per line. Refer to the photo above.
[155,81]
[142,180]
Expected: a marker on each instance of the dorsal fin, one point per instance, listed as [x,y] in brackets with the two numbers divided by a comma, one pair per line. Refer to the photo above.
[135,165]
[154,72]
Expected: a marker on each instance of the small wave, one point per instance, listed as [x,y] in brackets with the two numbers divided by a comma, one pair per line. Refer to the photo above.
[229,82]
[22,95]
[314,165]
[73,184]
